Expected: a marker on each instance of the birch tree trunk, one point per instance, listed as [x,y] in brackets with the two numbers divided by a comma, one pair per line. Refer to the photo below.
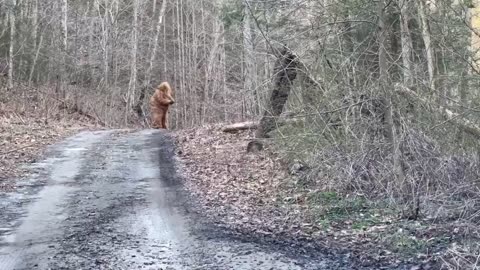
[32,69]
[133,61]
[204,94]
[148,75]
[427,40]
[249,73]
[91,45]
[179,67]
[34,23]
[11,16]
[224,74]
[406,38]
[113,36]
[104,41]
[64,30]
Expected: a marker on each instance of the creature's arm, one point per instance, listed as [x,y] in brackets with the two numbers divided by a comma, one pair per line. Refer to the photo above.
[162,100]
[158,99]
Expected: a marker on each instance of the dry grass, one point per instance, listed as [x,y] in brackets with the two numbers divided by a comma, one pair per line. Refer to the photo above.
[30,120]
[462,257]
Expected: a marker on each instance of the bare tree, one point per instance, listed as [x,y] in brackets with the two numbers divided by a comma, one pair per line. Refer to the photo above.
[132,84]
[148,75]
[406,38]
[11,16]
[386,91]
[426,35]
[249,72]
[285,72]
[64,47]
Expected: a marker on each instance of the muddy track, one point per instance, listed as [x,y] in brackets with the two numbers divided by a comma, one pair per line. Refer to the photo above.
[112,200]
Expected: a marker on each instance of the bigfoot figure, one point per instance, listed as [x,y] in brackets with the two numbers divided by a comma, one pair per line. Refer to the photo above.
[159,103]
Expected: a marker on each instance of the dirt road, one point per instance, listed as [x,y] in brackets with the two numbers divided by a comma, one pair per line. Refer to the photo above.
[110,200]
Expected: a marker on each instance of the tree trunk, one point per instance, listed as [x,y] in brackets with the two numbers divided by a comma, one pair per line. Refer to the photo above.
[286,71]
[104,41]
[224,75]
[11,16]
[64,31]
[35,59]
[427,40]
[406,38]
[148,75]
[34,23]
[249,73]
[389,125]
[132,84]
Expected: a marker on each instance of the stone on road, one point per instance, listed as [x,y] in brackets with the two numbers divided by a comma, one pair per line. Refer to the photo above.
[109,200]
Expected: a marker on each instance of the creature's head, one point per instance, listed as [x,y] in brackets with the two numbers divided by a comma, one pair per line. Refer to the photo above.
[166,92]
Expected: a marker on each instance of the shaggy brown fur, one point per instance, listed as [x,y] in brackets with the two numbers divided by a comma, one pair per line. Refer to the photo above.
[159,103]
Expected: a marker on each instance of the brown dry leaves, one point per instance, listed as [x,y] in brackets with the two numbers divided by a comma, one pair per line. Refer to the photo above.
[242,190]
[23,136]
[254,193]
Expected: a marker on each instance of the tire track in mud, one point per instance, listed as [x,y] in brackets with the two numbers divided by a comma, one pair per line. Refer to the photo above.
[111,200]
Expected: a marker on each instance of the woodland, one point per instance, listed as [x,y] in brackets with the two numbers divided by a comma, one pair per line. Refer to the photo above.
[372,106]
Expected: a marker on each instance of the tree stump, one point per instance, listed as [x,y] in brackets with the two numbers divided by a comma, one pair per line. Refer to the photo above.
[254,146]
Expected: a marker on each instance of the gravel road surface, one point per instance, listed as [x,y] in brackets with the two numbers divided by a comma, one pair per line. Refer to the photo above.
[110,200]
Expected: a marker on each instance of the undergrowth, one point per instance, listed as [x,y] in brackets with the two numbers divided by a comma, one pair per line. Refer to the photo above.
[346,176]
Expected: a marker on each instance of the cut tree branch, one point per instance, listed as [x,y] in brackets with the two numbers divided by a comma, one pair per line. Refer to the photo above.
[232,128]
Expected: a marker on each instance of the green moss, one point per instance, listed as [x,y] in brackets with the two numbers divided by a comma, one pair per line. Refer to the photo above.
[366,222]
[404,243]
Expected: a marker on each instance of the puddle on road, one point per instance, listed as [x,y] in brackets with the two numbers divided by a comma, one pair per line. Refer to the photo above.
[75,149]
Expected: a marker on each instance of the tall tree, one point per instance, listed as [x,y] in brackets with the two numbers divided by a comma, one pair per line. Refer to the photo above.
[148,75]
[427,40]
[285,72]
[249,72]
[11,56]
[64,47]
[132,84]
[406,38]
[386,91]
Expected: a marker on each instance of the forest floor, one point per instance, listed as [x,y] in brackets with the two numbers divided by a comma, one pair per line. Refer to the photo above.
[254,194]
[25,132]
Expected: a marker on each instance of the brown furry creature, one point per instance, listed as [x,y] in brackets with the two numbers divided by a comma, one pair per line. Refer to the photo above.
[159,103]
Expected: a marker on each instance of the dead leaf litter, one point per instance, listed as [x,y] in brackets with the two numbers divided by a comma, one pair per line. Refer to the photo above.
[252,193]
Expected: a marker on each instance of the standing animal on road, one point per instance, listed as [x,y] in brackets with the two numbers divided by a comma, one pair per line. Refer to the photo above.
[159,104]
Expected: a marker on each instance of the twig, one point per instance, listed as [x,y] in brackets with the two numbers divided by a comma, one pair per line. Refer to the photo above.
[334,110]
[275,51]
[17,149]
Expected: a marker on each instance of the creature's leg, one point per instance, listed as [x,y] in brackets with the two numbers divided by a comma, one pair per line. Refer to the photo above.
[153,119]
[162,119]
[164,116]
[156,120]
[165,119]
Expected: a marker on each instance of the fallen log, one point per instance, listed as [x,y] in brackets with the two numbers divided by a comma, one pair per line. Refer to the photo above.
[240,126]
[232,128]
